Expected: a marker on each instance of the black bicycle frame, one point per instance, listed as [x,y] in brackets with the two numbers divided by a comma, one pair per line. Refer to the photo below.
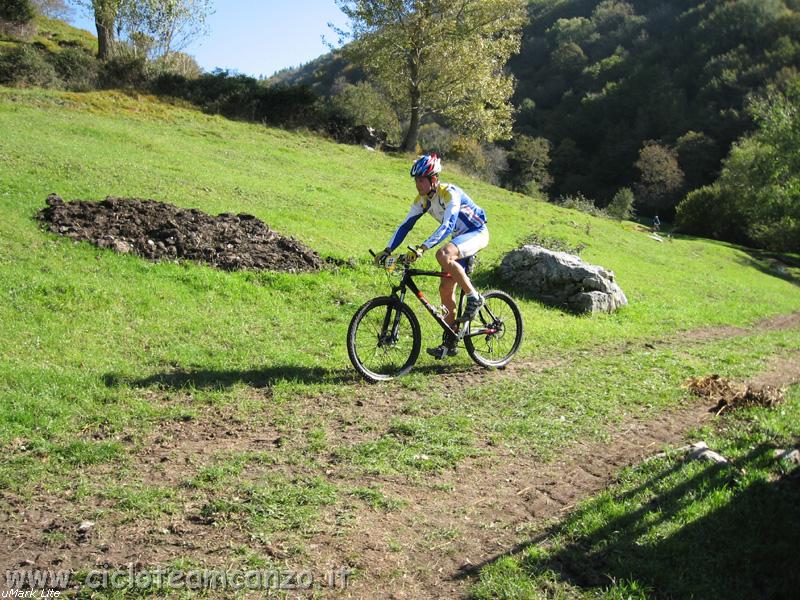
[399,291]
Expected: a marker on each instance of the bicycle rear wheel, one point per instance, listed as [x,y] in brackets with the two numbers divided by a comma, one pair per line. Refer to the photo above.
[384,339]
[499,328]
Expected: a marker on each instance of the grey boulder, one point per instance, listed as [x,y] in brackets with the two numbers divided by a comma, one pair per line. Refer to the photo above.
[562,280]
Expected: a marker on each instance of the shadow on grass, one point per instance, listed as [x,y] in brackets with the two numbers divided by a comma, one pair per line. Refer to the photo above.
[209,379]
[223,379]
[739,540]
[782,266]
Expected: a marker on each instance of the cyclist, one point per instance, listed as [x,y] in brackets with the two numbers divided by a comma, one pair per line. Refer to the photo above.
[460,218]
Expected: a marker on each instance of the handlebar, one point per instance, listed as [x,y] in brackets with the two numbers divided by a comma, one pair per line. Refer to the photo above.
[393,260]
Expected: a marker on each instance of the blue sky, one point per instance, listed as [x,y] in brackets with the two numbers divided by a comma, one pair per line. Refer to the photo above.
[260,37]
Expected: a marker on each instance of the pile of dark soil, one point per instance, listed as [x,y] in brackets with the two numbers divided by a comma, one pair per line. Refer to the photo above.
[160,231]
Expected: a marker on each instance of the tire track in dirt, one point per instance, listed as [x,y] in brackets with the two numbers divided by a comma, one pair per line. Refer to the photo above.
[449,525]
[692,337]
[495,506]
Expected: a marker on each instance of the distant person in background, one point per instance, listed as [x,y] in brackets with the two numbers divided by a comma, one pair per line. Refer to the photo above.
[656,224]
[460,218]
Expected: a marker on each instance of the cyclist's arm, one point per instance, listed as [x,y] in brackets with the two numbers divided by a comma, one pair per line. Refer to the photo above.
[448,222]
[414,213]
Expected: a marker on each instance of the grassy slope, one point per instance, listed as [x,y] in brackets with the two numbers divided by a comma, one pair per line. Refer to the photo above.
[53,35]
[677,530]
[72,312]
[87,333]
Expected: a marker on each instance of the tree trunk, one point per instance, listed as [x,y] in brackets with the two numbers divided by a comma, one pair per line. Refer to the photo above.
[105,37]
[410,141]
[105,17]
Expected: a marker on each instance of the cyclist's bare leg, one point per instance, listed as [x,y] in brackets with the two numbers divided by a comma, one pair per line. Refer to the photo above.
[448,257]
[447,292]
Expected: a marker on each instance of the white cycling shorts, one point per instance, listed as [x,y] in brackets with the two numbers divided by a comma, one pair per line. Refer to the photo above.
[471,242]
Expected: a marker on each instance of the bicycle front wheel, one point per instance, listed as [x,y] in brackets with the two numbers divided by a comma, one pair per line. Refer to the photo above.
[495,332]
[384,339]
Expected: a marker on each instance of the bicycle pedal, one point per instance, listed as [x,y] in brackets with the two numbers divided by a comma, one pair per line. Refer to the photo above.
[442,352]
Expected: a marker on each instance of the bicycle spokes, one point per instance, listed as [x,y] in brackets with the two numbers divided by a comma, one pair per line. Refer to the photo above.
[496,331]
[383,340]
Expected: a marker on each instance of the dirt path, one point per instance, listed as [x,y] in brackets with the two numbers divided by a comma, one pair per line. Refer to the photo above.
[490,509]
[485,510]
[429,548]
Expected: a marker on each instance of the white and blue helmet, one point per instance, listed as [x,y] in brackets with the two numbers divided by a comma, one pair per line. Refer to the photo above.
[426,165]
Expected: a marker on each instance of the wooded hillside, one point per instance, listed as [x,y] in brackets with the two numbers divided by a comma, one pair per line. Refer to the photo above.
[641,94]
[600,80]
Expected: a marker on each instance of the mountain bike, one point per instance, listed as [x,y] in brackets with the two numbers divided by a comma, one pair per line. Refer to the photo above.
[384,337]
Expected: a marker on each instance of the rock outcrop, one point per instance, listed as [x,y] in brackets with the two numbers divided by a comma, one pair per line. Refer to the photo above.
[563,280]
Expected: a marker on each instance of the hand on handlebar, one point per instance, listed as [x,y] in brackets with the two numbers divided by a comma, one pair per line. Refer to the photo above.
[414,253]
[381,257]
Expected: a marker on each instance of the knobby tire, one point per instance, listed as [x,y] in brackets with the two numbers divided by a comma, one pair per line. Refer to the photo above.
[370,345]
[496,350]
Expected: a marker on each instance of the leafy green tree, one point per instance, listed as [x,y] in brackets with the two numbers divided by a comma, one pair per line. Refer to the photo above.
[756,199]
[621,206]
[528,163]
[609,15]
[710,211]
[763,171]
[661,181]
[171,24]
[18,12]
[569,58]
[365,105]
[443,57]
[698,157]
[577,30]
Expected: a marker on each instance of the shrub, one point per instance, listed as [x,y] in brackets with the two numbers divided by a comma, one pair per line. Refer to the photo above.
[177,63]
[170,84]
[581,203]
[124,71]
[709,211]
[621,205]
[26,66]
[483,161]
[78,69]
[365,105]
[467,153]
[17,11]
[286,105]
[436,138]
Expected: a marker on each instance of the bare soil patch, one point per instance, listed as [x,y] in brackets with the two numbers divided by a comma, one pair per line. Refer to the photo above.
[449,525]
[161,231]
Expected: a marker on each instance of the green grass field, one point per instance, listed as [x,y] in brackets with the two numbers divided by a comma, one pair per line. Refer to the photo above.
[100,350]
[676,529]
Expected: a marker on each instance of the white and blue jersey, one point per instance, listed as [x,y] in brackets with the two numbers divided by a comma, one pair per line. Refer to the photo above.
[451,206]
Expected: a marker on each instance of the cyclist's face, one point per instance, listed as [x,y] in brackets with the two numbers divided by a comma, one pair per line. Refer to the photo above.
[425,185]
